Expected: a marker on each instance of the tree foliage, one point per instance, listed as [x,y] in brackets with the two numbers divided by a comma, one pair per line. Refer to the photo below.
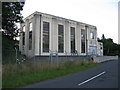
[109,47]
[11,14]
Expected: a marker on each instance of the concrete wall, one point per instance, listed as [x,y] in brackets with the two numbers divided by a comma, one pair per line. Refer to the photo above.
[105,58]
[37,34]
[58,59]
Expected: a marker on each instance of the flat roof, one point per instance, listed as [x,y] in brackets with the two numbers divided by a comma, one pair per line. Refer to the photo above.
[40,13]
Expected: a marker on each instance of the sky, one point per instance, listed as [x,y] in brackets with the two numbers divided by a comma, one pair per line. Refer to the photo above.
[101,13]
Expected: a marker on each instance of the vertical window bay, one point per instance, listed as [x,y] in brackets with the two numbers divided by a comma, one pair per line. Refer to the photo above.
[83,36]
[72,30]
[23,38]
[60,38]
[30,36]
[46,36]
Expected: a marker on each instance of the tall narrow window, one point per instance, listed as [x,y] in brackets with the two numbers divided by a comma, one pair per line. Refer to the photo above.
[60,38]
[45,36]
[92,35]
[72,29]
[23,38]
[83,35]
[30,36]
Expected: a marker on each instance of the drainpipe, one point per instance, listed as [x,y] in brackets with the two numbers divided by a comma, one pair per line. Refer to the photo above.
[86,41]
[40,36]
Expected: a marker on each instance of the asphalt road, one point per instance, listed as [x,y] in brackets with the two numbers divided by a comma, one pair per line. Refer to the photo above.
[103,76]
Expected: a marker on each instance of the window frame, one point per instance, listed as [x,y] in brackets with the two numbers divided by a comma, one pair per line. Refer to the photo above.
[72,39]
[23,35]
[45,37]
[61,38]
[83,40]
[30,35]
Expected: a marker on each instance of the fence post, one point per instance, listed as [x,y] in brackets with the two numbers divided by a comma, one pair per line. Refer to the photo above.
[57,57]
[51,58]
[66,54]
[16,54]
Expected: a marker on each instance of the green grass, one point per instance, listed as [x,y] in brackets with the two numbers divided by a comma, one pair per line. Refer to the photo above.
[28,73]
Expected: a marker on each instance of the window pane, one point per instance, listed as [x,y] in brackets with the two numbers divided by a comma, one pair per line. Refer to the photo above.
[92,35]
[83,35]
[23,40]
[45,36]
[72,39]
[83,47]
[60,38]
[30,36]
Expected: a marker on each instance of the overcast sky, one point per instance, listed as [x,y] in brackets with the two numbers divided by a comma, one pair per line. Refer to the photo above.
[101,13]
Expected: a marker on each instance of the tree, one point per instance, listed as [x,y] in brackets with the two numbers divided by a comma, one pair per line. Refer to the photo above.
[103,36]
[10,16]
[109,47]
[119,50]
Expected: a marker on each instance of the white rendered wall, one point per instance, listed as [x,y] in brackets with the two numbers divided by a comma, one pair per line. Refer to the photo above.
[37,34]
[26,37]
[46,18]
[67,38]
[21,39]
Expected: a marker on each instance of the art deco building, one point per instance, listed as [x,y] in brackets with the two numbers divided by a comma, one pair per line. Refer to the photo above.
[42,34]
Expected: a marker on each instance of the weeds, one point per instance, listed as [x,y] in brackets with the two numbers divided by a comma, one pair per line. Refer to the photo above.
[26,73]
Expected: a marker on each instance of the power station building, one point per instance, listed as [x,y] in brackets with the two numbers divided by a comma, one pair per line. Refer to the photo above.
[43,34]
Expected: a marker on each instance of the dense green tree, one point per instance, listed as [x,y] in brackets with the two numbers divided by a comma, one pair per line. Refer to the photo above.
[119,50]
[109,47]
[11,14]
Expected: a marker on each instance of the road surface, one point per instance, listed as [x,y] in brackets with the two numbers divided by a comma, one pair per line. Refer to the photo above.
[103,76]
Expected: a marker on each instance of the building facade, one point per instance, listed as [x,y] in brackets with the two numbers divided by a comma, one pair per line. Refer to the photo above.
[100,49]
[43,34]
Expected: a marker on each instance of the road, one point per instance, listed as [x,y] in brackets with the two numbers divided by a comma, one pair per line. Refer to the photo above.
[103,76]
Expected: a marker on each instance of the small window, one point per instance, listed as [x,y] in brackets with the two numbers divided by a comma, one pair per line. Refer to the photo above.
[30,36]
[23,28]
[30,29]
[92,35]
[23,39]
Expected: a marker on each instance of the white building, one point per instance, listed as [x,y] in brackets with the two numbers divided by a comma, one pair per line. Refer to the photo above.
[43,33]
[100,48]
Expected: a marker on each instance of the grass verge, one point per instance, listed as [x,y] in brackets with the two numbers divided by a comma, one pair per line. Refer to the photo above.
[28,73]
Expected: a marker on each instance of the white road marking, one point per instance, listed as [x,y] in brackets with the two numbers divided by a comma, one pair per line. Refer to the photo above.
[92,78]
